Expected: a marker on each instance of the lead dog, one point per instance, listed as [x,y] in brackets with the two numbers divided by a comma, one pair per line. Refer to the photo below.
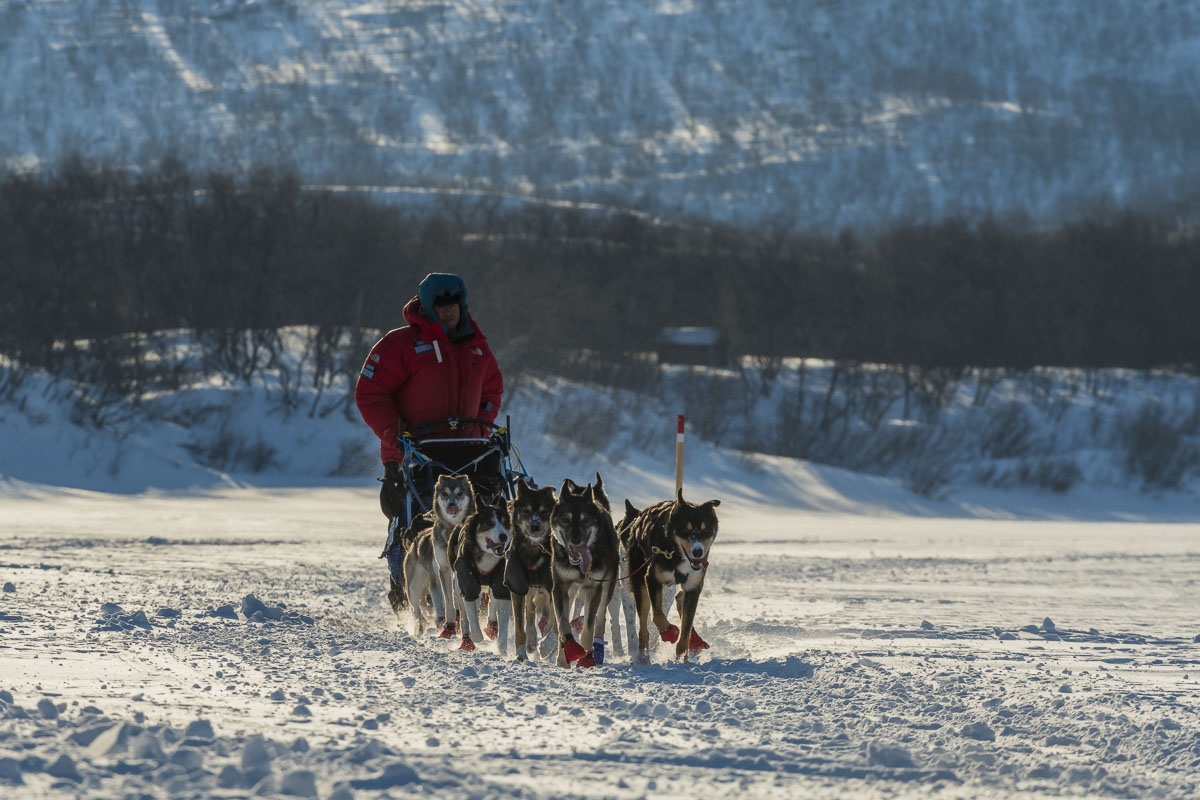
[667,543]
[584,558]
[427,567]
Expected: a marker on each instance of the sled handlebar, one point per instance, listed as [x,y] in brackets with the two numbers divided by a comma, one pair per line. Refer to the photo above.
[423,429]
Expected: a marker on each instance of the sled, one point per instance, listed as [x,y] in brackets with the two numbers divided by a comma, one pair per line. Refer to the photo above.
[491,462]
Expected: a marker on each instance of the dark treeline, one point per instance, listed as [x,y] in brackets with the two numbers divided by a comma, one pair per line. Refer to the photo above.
[94,254]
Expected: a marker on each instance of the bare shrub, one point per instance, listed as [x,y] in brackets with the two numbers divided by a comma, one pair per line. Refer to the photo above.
[589,426]
[1053,474]
[930,469]
[217,450]
[256,456]
[356,458]
[1007,433]
[229,449]
[1156,451]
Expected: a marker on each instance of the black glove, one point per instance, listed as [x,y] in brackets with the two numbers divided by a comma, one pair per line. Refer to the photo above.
[391,493]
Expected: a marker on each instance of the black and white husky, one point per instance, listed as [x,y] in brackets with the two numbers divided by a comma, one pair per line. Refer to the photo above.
[427,567]
[527,571]
[668,543]
[477,550]
[584,559]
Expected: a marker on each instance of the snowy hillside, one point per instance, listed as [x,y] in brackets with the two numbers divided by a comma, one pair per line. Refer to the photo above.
[807,435]
[818,113]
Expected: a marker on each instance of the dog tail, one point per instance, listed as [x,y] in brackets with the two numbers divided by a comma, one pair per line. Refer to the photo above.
[398,594]
[397,589]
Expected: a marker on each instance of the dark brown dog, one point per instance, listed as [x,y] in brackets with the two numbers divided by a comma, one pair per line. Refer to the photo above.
[527,572]
[668,543]
[584,558]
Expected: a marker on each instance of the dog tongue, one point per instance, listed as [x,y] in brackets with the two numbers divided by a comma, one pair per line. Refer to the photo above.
[585,558]
[452,509]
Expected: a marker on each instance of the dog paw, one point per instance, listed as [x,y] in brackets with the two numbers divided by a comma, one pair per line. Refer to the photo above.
[586,661]
[466,644]
[492,629]
[573,651]
[671,634]
[448,631]
[696,644]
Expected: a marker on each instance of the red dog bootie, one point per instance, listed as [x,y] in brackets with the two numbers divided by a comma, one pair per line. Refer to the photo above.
[671,634]
[493,629]
[448,631]
[466,644]
[577,624]
[573,651]
[543,623]
[696,644]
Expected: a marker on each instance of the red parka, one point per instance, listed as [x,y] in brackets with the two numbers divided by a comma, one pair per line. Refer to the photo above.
[415,374]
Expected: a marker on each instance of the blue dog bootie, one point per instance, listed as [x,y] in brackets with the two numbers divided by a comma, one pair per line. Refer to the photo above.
[598,650]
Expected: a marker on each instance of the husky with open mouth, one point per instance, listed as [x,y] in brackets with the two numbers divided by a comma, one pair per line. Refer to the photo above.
[477,549]
[527,571]
[427,567]
[584,559]
[668,543]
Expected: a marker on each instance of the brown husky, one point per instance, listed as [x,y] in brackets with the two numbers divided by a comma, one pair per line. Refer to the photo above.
[668,543]
[584,558]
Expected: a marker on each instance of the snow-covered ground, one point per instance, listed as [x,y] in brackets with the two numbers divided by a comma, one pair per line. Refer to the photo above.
[878,654]
[866,642]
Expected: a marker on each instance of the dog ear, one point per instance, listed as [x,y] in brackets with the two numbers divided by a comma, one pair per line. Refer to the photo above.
[630,509]
[599,496]
[565,491]
[713,503]
[679,497]
[522,487]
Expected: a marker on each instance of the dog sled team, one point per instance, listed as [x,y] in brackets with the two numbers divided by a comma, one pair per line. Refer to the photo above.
[468,530]
[543,554]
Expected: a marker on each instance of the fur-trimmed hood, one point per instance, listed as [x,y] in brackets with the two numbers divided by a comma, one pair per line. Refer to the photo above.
[414,314]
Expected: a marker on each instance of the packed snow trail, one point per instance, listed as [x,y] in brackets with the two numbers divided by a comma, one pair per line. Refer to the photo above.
[240,643]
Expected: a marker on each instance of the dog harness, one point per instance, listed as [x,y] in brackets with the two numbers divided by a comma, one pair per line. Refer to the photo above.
[645,521]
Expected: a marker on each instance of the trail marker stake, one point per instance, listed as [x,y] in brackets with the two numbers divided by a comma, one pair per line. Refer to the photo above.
[679,454]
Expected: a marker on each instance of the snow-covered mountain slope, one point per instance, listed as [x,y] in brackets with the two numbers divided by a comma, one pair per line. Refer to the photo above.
[819,113]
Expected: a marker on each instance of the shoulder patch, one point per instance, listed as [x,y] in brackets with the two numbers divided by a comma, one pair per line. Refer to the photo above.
[375,357]
[368,371]
[476,351]
[421,347]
